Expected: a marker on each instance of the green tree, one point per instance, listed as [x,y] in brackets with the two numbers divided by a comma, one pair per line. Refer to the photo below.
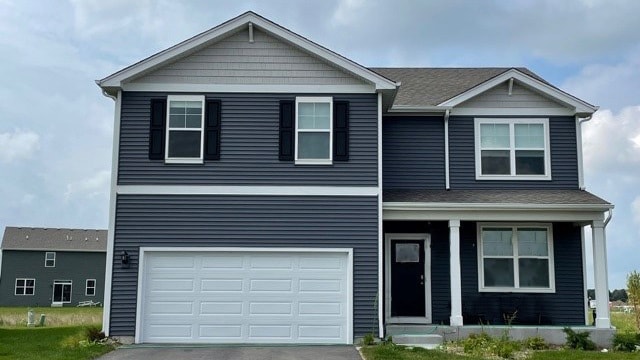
[633,291]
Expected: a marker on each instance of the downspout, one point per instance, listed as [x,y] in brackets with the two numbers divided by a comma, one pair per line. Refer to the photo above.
[579,123]
[446,149]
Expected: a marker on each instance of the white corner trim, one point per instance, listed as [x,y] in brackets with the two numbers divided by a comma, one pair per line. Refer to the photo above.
[247,190]
[218,32]
[579,106]
[144,250]
[446,150]
[254,88]
[381,299]
[108,273]
[584,276]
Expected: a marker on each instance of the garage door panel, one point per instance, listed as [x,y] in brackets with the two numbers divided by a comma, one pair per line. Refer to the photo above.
[248,297]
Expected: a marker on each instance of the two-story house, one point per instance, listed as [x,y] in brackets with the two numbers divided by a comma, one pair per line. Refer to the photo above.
[268,190]
[52,267]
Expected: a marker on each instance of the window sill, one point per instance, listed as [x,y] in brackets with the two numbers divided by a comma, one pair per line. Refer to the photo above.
[184,161]
[313,162]
[514,177]
[518,290]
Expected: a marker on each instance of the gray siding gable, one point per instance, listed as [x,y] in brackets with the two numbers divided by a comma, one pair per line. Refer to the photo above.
[521,97]
[248,146]
[235,60]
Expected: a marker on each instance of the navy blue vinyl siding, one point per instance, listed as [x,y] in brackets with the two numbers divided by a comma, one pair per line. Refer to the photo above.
[564,307]
[248,146]
[440,279]
[413,152]
[564,163]
[246,221]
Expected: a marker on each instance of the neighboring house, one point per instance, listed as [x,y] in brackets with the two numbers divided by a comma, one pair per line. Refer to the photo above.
[52,267]
[268,190]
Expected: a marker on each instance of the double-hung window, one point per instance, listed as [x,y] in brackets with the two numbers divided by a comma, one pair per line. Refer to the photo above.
[185,129]
[25,286]
[90,288]
[50,259]
[512,149]
[314,135]
[515,258]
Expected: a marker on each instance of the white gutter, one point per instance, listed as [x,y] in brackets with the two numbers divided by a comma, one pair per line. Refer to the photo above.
[609,216]
[579,122]
[418,109]
[492,206]
[446,149]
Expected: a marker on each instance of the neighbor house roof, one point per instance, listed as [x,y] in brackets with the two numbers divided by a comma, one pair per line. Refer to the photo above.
[27,238]
[496,198]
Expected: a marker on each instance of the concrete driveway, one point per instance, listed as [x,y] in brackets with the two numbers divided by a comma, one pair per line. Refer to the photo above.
[227,352]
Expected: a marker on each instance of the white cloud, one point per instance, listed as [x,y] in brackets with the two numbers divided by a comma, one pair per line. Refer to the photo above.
[90,187]
[18,145]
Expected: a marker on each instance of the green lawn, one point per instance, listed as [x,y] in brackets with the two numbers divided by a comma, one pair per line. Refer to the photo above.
[16,317]
[624,322]
[56,343]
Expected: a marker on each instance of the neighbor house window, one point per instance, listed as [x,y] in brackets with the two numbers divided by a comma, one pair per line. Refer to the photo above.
[513,149]
[314,139]
[185,119]
[50,259]
[514,258]
[90,288]
[25,286]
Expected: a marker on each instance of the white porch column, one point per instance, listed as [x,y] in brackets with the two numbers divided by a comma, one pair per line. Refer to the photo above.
[454,271]
[601,274]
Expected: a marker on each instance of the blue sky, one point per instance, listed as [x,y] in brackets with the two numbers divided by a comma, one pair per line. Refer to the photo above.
[55,126]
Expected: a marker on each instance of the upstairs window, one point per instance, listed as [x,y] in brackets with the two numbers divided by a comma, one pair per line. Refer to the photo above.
[90,289]
[25,286]
[512,149]
[314,135]
[50,259]
[185,129]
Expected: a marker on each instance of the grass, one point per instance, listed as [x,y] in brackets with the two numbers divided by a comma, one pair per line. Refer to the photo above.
[579,355]
[16,317]
[56,343]
[624,322]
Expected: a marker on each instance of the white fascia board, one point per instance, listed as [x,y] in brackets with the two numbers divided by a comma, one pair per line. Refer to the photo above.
[494,206]
[210,36]
[579,106]
[418,109]
[512,112]
[241,88]
[248,190]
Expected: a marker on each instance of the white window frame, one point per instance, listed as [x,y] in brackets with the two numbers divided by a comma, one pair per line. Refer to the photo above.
[512,155]
[24,287]
[87,287]
[516,288]
[46,258]
[315,99]
[179,160]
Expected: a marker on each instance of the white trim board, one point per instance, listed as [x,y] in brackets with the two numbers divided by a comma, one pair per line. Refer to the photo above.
[247,190]
[381,301]
[389,238]
[242,88]
[144,250]
[480,214]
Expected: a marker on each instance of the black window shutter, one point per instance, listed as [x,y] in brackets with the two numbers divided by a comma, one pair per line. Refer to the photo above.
[340,130]
[157,129]
[287,118]
[212,130]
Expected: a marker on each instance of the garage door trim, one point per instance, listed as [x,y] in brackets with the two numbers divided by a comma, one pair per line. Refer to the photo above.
[145,250]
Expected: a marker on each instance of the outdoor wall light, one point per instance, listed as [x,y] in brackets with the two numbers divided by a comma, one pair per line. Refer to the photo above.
[124,259]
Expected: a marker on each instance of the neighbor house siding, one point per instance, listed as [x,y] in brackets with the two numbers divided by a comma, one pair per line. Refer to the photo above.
[246,221]
[249,146]
[265,61]
[564,162]
[564,307]
[413,152]
[74,266]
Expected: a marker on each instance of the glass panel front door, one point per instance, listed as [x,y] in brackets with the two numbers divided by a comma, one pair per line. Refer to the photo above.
[61,292]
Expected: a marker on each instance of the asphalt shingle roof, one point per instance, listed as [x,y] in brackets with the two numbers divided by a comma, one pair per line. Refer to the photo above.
[536,197]
[432,86]
[26,238]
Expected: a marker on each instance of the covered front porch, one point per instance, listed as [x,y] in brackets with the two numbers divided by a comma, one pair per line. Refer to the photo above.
[458,260]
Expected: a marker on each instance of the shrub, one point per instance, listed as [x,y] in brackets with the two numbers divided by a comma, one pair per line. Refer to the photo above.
[368,340]
[483,344]
[579,340]
[93,334]
[626,341]
[535,343]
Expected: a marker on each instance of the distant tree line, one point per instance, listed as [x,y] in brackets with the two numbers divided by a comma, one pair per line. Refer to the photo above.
[615,295]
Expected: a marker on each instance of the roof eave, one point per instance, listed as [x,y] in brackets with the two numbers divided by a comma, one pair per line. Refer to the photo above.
[493,206]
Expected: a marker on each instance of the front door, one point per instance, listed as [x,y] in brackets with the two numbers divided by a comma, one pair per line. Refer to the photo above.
[408,285]
[61,292]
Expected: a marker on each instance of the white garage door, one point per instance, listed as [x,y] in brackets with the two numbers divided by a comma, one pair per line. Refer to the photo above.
[245,297]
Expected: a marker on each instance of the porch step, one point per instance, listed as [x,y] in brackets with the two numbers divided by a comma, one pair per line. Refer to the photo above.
[427,341]
[411,329]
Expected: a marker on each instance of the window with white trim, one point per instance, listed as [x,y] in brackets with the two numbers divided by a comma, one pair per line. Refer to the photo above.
[515,258]
[50,259]
[512,149]
[314,125]
[185,129]
[25,286]
[90,288]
